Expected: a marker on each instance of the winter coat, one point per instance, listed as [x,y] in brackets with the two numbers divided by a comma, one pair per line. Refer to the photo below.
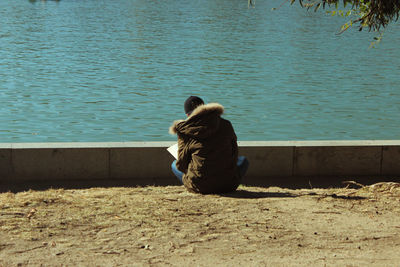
[207,151]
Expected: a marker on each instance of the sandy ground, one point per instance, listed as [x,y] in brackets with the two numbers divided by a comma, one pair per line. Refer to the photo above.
[161,226]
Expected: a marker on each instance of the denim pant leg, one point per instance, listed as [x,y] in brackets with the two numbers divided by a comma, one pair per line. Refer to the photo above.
[177,172]
[243,165]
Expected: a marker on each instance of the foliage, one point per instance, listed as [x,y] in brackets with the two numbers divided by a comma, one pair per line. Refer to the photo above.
[372,14]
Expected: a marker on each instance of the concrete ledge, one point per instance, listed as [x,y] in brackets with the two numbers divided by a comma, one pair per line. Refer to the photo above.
[149,162]
[390,160]
[60,163]
[6,171]
[338,160]
[266,161]
[140,162]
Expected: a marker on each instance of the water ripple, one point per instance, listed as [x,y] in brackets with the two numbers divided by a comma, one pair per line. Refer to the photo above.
[120,71]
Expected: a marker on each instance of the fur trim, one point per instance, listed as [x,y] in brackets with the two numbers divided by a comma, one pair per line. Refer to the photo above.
[172,128]
[199,110]
[207,108]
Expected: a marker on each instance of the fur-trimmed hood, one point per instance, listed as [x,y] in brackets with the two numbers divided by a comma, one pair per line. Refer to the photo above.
[203,121]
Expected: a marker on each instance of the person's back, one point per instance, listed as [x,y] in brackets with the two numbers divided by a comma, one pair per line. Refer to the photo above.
[208,152]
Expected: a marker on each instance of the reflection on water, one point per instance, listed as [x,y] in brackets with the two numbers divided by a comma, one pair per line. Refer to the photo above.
[120,70]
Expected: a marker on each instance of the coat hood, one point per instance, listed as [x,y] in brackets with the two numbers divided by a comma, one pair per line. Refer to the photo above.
[203,122]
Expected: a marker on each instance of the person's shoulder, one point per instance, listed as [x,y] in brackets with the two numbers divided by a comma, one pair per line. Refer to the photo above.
[226,123]
[223,120]
[173,129]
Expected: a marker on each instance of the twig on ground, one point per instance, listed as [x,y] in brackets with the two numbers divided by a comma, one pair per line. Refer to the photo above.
[353,183]
[327,212]
[12,213]
[30,249]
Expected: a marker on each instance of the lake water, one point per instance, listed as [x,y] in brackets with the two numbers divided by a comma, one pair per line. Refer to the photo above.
[95,70]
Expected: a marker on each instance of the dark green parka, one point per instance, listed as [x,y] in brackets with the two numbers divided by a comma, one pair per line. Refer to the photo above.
[207,151]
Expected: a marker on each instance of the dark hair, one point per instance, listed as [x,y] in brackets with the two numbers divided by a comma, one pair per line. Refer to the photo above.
[191,103]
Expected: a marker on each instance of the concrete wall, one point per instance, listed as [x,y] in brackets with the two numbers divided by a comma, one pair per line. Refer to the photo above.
[149,161]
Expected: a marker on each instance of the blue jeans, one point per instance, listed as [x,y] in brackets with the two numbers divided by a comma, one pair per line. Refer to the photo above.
[242,163]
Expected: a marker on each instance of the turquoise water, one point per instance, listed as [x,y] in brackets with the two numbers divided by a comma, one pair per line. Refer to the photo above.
[94,70]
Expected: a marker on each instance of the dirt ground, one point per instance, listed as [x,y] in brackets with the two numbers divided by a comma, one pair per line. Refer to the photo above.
[161,226]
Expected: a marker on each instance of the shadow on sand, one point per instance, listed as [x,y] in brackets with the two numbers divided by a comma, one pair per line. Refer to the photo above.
[245,194]
[251,194]
[282,182]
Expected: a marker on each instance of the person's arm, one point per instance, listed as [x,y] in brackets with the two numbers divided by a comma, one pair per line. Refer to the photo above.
[184,154]
[235,148]
[234,144]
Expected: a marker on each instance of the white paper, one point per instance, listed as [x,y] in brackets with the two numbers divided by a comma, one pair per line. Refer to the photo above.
[173,150]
